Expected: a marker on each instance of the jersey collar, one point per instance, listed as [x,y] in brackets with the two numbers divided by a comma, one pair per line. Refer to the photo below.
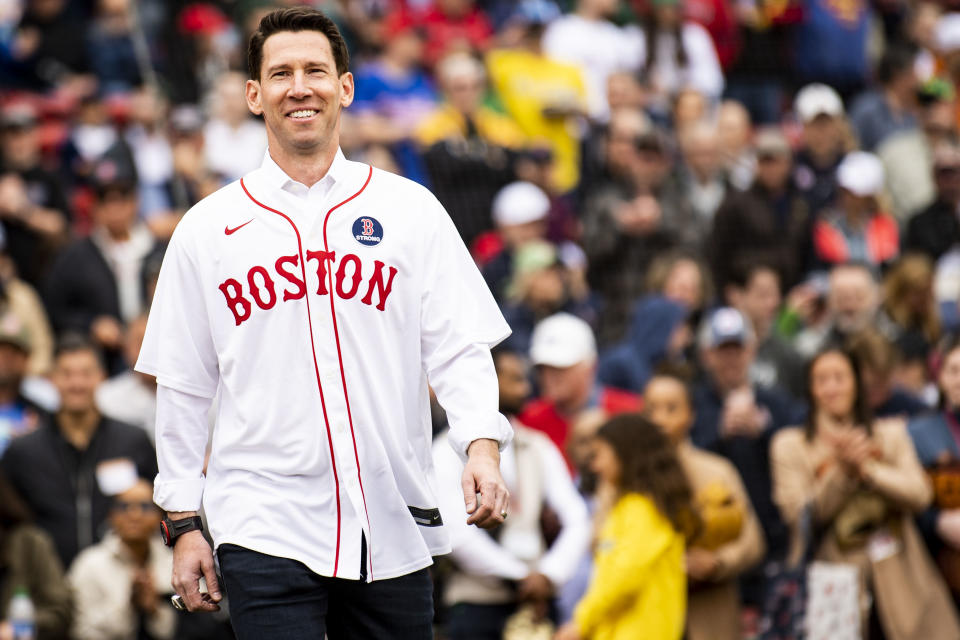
[276,178]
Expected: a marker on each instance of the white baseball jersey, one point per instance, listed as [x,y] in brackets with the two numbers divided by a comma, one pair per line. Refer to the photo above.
[320,314]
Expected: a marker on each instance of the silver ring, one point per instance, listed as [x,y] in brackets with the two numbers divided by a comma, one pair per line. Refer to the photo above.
[177,602]
[503,514]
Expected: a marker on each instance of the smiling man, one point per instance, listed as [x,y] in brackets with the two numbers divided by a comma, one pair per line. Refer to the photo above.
[319,298]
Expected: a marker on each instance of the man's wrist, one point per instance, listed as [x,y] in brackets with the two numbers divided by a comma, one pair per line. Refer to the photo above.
[484,447]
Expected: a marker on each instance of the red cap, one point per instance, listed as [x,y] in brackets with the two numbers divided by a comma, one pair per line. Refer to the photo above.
[202,18]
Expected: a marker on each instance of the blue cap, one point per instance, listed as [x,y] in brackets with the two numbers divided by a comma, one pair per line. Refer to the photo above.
[726,325]
[535,12]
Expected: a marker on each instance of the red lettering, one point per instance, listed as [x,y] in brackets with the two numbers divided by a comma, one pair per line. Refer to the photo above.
[267,285]
[239,305]
[383,290]
[291,277]
[342,274]
[322,257]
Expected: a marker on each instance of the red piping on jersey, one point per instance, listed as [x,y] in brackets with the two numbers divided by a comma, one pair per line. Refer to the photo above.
[343,378]
[316,367]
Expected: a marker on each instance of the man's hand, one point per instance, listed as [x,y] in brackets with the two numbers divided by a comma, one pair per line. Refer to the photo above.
[142,593]
[192,560]
[482,475]
[6,630]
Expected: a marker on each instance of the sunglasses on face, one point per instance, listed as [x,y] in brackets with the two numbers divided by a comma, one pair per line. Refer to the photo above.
[125,507]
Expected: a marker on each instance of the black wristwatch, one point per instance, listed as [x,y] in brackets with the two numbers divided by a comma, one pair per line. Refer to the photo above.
[173,529]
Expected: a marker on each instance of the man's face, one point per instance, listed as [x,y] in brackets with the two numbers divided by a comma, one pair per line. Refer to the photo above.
[773,170]
[116,212]
[21,147]
[465,91]
[76,375]
[13,365]
[134,517]
[852,299]
[513,383]
[300,93]
[568,386]
[729,364]
[822,135]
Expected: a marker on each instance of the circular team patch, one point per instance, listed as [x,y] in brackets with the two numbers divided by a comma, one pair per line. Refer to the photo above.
[367,230]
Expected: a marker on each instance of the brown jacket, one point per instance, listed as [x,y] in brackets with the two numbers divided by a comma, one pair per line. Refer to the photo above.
[713,609]
[911,598]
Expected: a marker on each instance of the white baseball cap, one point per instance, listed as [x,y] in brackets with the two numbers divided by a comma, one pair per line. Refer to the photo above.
[861,173]
[562,340]
[520,203]
[947,32]
[816,99]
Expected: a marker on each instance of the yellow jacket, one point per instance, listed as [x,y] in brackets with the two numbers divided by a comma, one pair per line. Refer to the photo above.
[639,586]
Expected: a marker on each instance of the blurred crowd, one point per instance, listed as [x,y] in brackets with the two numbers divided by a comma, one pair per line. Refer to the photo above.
[726,235]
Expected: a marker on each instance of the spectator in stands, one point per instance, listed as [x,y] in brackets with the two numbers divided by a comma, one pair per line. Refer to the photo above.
[626,226]
[454,26]
[703,180]
[879,359]
[67,469]
[520,214]
[130,397]
[735,134]
[51,47]
[33,204]
[683,277]
[542,285]
[147,137]
[113,56]
[855,229]
[544,96]
[97,284]
[20,299]
[935,437]
[28,560]
[394,94]
[234,142]
[755,291]
[909,311]
[468,147]
[770,221]
[496,576]
[862,480]
[737,419]
[936,229]
[121,585]
[852,302]
[638,586]
[730,540]
[679,55]
[658,332]
[891,107]
[20,412]
[564,353]
[824,143]
[829,44]
[598,47]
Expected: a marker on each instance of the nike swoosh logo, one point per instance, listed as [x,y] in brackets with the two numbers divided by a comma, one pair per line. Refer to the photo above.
[227,230]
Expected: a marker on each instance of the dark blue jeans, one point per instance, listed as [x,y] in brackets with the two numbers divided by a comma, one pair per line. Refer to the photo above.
[282,599]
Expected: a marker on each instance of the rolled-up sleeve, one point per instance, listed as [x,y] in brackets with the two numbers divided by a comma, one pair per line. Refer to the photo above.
[182,428]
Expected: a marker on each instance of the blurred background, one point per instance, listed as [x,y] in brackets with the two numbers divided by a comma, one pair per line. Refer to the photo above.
[740,218]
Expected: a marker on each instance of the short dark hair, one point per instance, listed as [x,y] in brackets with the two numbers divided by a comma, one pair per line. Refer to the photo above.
[896,60]
[73,343]
[296,19]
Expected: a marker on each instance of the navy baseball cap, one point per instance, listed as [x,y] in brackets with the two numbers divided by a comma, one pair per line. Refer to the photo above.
[726,325]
